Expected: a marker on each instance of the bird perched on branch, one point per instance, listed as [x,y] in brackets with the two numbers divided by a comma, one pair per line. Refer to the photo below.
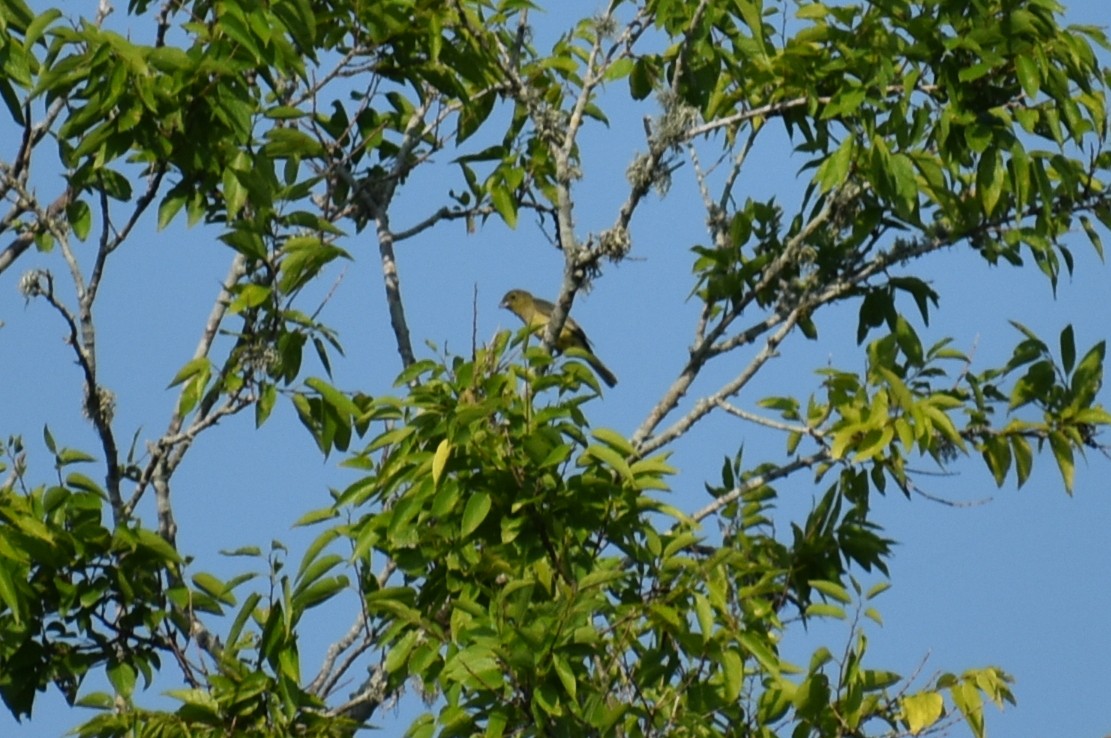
[536,312]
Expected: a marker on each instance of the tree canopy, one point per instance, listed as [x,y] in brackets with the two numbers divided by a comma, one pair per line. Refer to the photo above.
[492,550]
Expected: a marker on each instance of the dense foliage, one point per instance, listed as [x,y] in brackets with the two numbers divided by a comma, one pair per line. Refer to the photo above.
[522,569]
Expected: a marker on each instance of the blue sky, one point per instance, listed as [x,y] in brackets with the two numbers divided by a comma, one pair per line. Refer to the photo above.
[1019,579]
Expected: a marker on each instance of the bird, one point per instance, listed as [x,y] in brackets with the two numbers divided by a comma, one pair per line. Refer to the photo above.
[535,313]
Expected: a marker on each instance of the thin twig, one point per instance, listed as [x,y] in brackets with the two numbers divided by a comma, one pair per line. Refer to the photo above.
[769,422]
[797,464]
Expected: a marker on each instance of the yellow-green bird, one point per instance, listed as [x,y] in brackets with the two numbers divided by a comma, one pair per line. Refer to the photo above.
[536,312]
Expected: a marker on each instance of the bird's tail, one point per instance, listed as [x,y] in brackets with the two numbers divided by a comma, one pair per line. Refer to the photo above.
[603,371]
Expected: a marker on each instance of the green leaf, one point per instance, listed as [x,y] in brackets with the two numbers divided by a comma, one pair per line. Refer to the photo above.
[80,218]
[213,587]
[439,461]
[610,458]
[286,142]
[967,699]
[250,296]
[1029,76]
[37,27]
[642,79]
[760,650]
[566,675]
[1024,458]
[505,204]
[821,609]
[1093,235]
[997,454]
[318,592]
[812,11]
[235,194]
[284,112]
[169,207]
[614,440]
[9,592]
[922,710]
[1088,377]
[476,510]
[832,590]
[1063,453]
[834,169]
[732,669]
[198,366]
[302,259]
[990,178]
[122,676]
[1033,386]
[1068,349]
[704,613]
[267,397]
[620,69]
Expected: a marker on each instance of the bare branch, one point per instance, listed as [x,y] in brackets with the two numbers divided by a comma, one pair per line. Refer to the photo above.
[371,693]
[380,211]
[781,107]
[769,422]
[704,406]
[444,213]
[706,346]
[797,464]
[158,470]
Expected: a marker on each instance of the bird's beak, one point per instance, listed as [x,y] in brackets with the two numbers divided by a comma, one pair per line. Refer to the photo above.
[504,304]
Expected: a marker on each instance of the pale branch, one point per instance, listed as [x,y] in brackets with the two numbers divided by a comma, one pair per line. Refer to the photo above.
[329,673]
[15,249]
[445,213]
[704,406]
[356,642]
[700,178]
[776,108]
[648,170]
[595,73]
[45,220]
[698,356]
[32,135]
[96,400]
[735,171]
[337,71]
[700,327]
[797,464]
[646,444]
[380,211]
[164,510]
[783,106]
[371,693]
[579,260]
[172,435]
[141,205]
[835,289]
[342,166]
[202,421]
[561,144]
[327,668]
[706,344]
[354,652]
[770,422]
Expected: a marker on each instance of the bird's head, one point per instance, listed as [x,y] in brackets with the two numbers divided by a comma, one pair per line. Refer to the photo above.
[516,300]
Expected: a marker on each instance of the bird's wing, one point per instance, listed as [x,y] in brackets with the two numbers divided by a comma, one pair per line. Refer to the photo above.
[578,335]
